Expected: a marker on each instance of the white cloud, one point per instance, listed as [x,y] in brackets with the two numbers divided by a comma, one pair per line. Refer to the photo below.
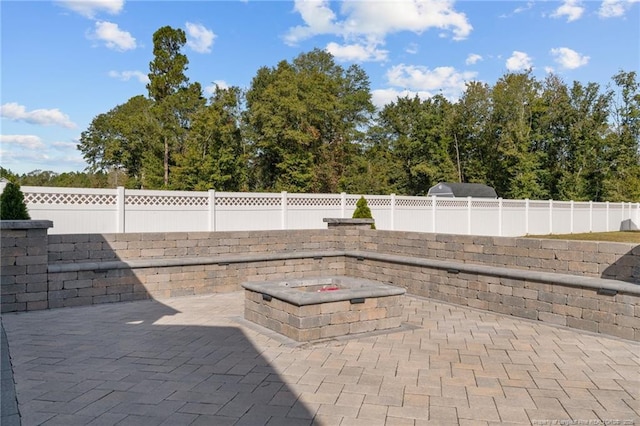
[63,146]
[549,70]
[128,75]
[519,61]
[200,39]
[568,58]
[412,80]
[318,17]
[472,59]
[382,97]
[22,141]
[367,25]
[113,36]
[615,8]
[412,49]
[211,89]
[89,8]
[357,52]
[572,9]
[44,117]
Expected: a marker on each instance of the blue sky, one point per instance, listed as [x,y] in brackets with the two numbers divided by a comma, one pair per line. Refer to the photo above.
[64,62]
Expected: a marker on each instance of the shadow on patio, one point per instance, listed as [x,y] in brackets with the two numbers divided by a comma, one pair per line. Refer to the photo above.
[142,363]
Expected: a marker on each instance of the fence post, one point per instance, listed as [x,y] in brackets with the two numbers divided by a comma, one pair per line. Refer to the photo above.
[550,216]
[434,199]
[590,216]
[526,216]
[607,217]
[343,204]
[283,222]
[120,209]
[571,219]
[212,210]
[393,212]
[500,217]
[468,215]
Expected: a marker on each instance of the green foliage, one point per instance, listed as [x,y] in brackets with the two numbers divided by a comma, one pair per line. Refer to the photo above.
[308,125]
[363,211]
[12,205]
[303,119]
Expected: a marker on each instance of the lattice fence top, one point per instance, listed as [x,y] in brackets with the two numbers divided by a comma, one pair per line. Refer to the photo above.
[414,202]
[371,201]
[489,204]
[513,204]
[71,199]
[581,206]
[309,201]
[166,200]
[451,203]
[248,201]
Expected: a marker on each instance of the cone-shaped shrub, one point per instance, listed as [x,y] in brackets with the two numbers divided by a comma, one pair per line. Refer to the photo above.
[12,206]
[363,211]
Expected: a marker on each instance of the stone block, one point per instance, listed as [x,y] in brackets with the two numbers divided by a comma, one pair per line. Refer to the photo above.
[37,287]
[627,321]
[568,311]
[78,284]
[513,301]
[525,293]
[37,305]
[360,327]
[31,297]
[12,288]
[78,301]
[537,305]
[582,324]
[525,313]
[552,318]
[616,330]
[31,278]
[556,298]
[110,298]
[92,291]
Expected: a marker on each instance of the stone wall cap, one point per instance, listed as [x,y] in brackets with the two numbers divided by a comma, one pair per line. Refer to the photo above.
[352,221]
[25,224]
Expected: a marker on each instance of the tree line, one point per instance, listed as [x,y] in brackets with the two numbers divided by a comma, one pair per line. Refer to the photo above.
[308,125]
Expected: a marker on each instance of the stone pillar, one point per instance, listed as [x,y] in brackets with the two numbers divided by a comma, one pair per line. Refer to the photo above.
[23,265]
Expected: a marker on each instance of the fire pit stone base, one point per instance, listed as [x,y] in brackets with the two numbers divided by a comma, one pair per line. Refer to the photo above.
[320,308]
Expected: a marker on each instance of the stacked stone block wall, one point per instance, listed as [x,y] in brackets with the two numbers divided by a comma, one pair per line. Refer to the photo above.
[23,265]
[28,253]
[576,307]
[82,248]
[620,261]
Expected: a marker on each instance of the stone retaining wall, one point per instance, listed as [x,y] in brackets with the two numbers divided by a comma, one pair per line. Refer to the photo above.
[620,261]
[90,269]
[574,306]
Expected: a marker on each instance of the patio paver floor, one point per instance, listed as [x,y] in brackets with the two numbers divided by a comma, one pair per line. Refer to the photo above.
[195,361]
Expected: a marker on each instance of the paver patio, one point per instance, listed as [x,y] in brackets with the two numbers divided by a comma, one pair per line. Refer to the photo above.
[195,360]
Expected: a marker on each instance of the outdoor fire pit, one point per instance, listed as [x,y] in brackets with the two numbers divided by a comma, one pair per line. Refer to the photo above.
[317,308]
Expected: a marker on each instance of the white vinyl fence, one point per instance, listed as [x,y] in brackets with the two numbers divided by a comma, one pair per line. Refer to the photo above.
[75,210]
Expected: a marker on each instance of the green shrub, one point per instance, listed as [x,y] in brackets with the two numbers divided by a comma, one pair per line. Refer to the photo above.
[363,211]
[12,206]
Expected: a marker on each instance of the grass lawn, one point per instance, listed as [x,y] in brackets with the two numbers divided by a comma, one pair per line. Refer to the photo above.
[618,237]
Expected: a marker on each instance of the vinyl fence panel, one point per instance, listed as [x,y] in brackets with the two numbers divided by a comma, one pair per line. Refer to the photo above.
[80,210]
